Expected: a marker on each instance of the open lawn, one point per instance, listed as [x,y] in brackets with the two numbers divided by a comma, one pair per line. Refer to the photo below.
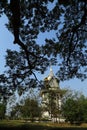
[22,125]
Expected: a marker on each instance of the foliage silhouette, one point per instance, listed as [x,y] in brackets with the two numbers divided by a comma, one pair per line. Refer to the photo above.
[27,19]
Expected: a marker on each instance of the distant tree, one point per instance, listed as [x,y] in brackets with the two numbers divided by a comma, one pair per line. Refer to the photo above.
[30,109]
[74,109]
[27,108]
[53,105]
[83,107]
[2,110]
[15,112]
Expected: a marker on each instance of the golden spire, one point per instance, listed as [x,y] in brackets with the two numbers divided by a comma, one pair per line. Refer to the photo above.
[51,71]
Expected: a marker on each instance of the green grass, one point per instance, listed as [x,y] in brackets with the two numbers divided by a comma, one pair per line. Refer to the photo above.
[22,125]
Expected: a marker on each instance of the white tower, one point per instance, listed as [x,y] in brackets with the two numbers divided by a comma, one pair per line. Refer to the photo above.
[51,96]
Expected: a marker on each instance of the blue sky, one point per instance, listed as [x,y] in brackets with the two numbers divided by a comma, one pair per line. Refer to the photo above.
[6,42]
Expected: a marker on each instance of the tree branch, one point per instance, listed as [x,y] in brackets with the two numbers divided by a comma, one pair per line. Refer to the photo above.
[74,30]
[15,8]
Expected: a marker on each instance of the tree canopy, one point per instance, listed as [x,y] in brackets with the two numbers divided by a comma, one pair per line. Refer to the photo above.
[2,110]
[74,108]
[68,51]
[28,109]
